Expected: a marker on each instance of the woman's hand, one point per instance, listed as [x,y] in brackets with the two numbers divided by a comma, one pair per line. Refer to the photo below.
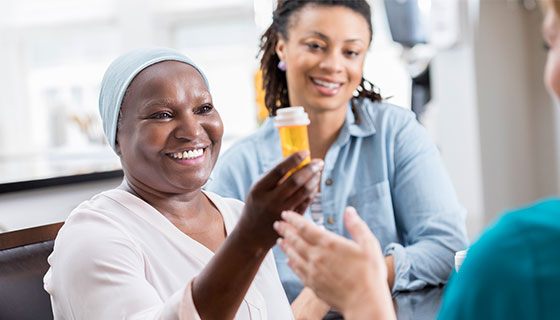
[351,276]
[236,262]
[307,306]
[274,193]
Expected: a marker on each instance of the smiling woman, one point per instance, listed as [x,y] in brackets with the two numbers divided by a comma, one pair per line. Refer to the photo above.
[378,158]
[54,55]
[163,126]
[158,246]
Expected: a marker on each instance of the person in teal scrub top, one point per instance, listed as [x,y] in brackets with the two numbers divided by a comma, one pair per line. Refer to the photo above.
[511,272]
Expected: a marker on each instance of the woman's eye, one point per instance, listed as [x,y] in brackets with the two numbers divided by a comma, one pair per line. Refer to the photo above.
[204,109]
[313,46]
[162,115]
[352,53]
[546,46]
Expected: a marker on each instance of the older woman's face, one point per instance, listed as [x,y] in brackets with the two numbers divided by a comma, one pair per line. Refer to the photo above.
[551,32]
[170,134]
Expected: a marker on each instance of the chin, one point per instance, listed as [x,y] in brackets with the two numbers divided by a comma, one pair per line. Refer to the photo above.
[329,104]
[190,187]
[197,182]
[186,183]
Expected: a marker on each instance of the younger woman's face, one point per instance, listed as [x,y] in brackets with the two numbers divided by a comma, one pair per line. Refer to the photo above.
[551,33]
[324,56]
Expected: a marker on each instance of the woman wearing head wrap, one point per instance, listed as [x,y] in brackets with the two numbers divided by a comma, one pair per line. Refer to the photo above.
[158,247]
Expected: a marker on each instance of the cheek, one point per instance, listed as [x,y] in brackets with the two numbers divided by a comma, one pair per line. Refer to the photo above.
[148,139]
[152,132]
[123,136]
[552,73]
[357,70]
[296,69]
[215,128]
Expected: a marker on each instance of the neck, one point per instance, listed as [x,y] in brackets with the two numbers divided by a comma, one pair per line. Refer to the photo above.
[190,212]
[324,129]
[174,206]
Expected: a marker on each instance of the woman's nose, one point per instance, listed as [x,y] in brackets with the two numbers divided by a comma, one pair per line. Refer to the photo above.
[188,127]
[332,62]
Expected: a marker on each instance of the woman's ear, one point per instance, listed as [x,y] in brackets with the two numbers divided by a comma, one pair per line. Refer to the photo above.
[119,124]
[280,47]
[117,146]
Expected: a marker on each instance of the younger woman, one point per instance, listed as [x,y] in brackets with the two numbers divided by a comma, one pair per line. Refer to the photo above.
[377,157]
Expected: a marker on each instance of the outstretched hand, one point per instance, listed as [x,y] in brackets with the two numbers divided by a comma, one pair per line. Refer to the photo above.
[275,192]
[351,276]
[236,262]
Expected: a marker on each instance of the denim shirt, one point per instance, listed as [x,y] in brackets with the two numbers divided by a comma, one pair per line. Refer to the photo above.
[387,167]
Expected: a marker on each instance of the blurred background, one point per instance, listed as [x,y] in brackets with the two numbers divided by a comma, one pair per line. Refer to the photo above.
[471,70]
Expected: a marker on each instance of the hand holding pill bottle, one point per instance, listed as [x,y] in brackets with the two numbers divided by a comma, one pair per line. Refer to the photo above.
[292,124]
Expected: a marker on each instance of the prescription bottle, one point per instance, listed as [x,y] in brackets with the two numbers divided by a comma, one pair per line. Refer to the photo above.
[292,125]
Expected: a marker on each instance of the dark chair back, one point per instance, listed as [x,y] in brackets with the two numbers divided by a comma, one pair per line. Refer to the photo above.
[23,263]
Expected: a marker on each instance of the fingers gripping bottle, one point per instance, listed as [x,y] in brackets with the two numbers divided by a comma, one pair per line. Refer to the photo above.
[292,124]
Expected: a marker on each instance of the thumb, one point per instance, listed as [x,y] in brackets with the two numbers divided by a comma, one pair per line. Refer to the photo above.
[358,229]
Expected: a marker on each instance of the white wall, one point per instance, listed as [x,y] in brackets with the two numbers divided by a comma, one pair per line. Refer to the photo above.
[453,118]
[516,117]
[497,126]
[454,96]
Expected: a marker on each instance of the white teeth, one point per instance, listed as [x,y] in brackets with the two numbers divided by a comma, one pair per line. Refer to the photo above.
[326,84]
[191,154]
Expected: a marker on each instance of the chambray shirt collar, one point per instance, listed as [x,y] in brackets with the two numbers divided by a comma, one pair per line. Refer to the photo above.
[350,128]
[365,127]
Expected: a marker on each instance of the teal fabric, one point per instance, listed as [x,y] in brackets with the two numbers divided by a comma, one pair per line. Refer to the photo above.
[120,74]
[512,271]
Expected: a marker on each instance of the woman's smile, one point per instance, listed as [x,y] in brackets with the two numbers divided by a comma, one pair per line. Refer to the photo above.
[326,87]
[191,156]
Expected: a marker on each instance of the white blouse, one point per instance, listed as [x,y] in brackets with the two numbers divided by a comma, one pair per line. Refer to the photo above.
[117,257]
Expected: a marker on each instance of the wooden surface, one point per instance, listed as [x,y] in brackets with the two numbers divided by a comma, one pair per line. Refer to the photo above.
[23,237]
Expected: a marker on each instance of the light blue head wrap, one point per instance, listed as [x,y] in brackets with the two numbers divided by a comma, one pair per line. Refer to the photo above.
[120,74]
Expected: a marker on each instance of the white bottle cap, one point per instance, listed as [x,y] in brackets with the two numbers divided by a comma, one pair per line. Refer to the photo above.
[292,116]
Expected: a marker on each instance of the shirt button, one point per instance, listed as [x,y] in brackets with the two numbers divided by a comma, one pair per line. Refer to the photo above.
[330,220]
[328,182]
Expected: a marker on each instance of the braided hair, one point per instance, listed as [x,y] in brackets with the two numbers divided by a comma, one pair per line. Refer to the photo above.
[274,79]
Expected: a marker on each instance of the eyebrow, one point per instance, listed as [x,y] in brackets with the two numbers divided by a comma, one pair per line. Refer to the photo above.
[324,37]
[170,103]
[161,102]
